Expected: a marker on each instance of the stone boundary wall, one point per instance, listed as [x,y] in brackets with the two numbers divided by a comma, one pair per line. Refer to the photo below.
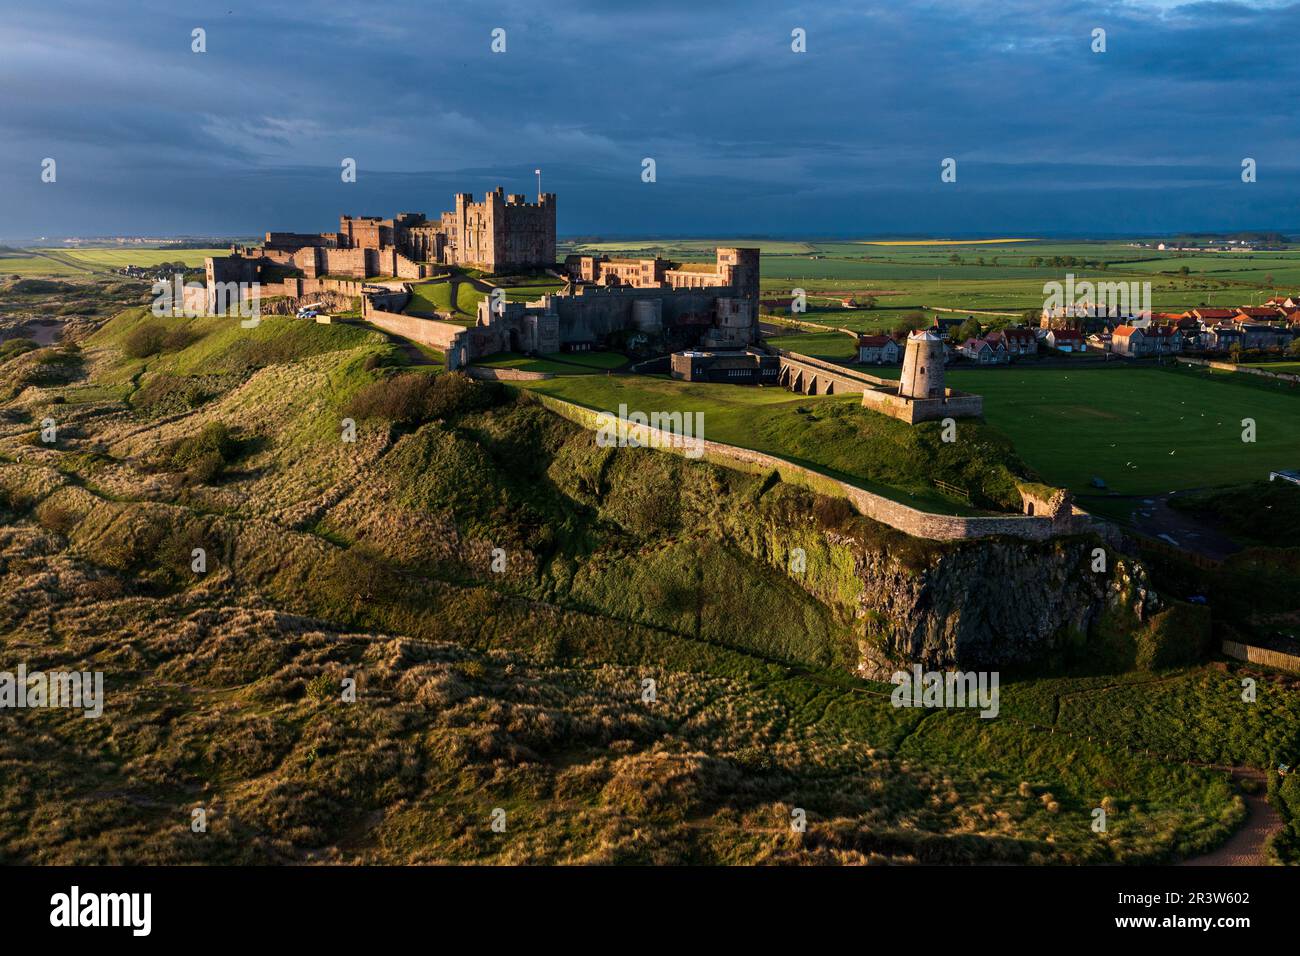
[920,524]
[809,326]
[1262,655]
[505,374]
[1230,367]
[440,335]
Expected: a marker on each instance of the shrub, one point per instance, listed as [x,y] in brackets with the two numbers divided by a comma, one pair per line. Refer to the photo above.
[56,517]
[201,457]
[16,347]
[416,397]
[1175,637]
[150,338]
[832,512]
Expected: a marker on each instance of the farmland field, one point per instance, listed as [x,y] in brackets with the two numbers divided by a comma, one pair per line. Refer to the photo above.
[994,274]
[835,346]
[63,262]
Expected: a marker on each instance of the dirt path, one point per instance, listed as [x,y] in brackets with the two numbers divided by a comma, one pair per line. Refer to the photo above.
[1151,515]
[1246,846]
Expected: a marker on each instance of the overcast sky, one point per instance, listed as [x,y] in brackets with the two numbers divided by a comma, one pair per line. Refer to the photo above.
[748,137]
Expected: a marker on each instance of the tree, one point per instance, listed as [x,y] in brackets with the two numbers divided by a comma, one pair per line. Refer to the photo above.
[970,329]
[910,322]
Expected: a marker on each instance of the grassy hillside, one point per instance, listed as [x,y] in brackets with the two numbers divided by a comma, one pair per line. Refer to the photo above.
[834,435]
[500,589]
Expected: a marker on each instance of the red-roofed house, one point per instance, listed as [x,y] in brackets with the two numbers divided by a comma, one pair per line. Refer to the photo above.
[1153,340]
[1257,314]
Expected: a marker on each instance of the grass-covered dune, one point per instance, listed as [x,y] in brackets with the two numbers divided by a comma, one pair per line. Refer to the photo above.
[499,590]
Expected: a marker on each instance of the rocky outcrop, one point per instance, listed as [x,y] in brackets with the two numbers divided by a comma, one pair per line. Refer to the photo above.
[991,604]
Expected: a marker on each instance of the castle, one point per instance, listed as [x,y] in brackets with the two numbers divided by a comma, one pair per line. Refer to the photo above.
[618,303]
[501,233]
[625,304]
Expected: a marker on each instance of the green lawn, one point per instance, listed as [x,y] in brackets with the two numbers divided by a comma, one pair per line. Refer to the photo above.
[1121,424]
[1285,368]
[558,363]
[436,296]
[1144,431]
[834,346]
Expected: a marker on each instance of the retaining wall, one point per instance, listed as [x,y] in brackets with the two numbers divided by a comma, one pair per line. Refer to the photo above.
[440,335]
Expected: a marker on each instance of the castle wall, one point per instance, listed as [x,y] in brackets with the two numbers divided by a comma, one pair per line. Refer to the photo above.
[440,335]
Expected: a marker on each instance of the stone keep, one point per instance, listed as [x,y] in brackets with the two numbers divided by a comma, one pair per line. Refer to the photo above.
[922,367]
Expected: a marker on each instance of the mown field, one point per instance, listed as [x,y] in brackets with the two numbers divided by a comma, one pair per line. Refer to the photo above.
[559,363]
[1142,430]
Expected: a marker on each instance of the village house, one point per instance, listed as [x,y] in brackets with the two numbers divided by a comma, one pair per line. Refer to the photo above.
[985,351]
[1248,313]
[1018,341]
[947,326]
[1142,343]
[1066,340]
[1259,336]
[878,350]
[1220,338]
[1213,316]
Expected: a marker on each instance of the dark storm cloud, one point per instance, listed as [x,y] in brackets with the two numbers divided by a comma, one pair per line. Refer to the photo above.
[749,137]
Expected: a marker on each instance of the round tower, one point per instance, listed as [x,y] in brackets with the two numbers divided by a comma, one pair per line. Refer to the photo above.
[922,367]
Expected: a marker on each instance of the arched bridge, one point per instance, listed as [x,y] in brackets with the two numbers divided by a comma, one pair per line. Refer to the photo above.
[813,376]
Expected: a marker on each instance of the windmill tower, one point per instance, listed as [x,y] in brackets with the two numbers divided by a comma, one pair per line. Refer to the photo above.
[922,367]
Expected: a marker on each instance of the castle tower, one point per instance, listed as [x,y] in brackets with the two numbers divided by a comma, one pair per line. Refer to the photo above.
[739,268]
[922,367]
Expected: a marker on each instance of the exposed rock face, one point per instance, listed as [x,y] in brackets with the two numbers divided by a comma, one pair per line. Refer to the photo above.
[990,604]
